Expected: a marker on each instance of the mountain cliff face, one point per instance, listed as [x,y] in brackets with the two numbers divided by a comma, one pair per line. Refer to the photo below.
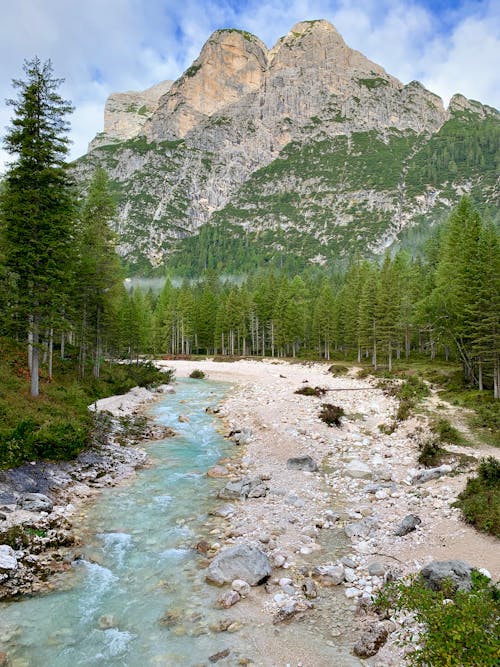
[308,148]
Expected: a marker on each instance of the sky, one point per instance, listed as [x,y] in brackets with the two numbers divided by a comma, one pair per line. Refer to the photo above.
[105,46]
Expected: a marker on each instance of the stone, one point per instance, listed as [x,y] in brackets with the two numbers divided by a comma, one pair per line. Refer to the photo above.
[432,473]
[219,656]
[330,575]
[409,523]
[244,488]
[436,575]
[4,659]
[108,621]
[224,511]
[373,638]
[8,559]
[309,589]
[376,569]
[35,502]
[227,599]
[352,592]
[302,463]
[240,586]
[361,528]
[184,419]
[242,436]
[358,470]
[243,561]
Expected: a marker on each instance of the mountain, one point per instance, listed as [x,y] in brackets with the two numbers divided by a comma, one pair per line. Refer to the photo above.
[301,153]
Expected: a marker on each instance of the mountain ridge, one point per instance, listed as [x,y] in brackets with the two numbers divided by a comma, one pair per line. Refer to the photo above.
[196,156]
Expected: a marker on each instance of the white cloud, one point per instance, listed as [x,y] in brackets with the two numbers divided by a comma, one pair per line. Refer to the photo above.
[104,46]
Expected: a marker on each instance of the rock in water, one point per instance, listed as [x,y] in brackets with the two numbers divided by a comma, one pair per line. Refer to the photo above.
[35,502]
[244,561]
[458,572]
[302,463]
[409,523]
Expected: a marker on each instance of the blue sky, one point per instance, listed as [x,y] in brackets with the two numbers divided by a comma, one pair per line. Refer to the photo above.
[103,46]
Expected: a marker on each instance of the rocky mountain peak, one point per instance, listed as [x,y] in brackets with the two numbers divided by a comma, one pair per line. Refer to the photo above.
[460,104]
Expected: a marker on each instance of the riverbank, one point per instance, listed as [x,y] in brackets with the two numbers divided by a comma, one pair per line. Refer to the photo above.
[367,483]
[39,499]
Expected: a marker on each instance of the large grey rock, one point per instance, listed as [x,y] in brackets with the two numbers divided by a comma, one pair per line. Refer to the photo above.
[244,561]
[409,523]
[302,463]
[244,488]
[360,528]
[35,502]
[330,575]
[432,473]
[8,560]
[436,574]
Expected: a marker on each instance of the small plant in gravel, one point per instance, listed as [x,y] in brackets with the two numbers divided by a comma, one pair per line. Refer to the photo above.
[431,452]
[459,628]
[480,500]
[310,391]
[331,414]
[338,371]
[197,374]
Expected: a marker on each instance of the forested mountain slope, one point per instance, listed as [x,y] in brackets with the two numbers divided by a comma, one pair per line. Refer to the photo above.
[301,153]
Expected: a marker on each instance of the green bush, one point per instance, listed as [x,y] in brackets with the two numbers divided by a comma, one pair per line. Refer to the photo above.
[331,414]
[457,632]
[337,371]
[197,374]
[430,452]
[310,391]
[480,500]
[445,432]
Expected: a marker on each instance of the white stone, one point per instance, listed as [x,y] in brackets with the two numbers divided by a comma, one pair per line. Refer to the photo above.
[352,592]
[358,470]
[8,560]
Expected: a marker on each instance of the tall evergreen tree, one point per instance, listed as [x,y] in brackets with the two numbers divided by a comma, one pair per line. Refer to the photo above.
[37,204]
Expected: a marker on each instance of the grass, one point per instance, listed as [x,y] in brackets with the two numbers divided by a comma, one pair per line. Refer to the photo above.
[460,628]
[480,500]
[57,424]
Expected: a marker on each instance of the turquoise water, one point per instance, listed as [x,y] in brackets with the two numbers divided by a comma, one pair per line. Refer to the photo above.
[137,561]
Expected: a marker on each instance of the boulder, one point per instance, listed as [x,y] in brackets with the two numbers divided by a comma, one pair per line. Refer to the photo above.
[371,641]
[432,473]
[376,569]
[241,436]
[244,488]
[360,528]
[358,470]
[302,463]
[227,599]
[244,561]
[8,560]
[409,523]
[439,572]
[35,502]
[241,587]
[329,575]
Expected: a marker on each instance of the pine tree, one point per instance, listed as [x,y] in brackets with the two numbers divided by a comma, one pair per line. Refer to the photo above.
[37,205]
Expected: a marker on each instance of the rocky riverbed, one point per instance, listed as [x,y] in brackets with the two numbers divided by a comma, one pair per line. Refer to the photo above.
[299,483]
[309,523]
[38,500]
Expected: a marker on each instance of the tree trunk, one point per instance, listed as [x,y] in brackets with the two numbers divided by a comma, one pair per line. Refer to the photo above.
[63,339]
[480,374]
[51,351]
[35,356]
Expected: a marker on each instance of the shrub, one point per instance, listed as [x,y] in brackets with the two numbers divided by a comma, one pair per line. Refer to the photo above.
[446,432]
[461,632]
[480,500]
[197,374]
[331,414]
[338,370]
[310,391]
[430,452]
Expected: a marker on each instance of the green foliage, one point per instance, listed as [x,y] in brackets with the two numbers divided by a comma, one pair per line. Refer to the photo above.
[331,414]
[197,374]
[338,370]
[310,391]
[373,82]
[191,71]
[458,632]
[446,432]
[480,500]
[431,452]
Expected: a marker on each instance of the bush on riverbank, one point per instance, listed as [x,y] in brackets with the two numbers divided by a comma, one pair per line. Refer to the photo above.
[460,629]
[331,414]
[310,391]
[197,374]
[480,500]
[58,424]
